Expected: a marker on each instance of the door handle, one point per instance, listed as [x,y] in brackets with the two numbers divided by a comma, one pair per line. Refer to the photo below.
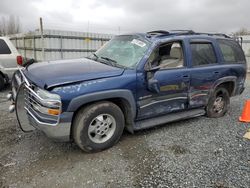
[185,78]
[216,72]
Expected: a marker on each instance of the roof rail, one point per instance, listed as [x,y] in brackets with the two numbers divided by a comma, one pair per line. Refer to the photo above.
[215,34]
[158,32]
[171,32]
[183,31]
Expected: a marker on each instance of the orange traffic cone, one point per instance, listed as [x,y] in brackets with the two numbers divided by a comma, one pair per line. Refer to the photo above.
[245,117]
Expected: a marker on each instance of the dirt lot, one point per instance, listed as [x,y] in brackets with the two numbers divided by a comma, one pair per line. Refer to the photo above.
[199,152]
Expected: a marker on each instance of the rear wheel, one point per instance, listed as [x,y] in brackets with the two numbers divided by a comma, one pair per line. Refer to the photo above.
[218,103]
[98,126]
[1,82]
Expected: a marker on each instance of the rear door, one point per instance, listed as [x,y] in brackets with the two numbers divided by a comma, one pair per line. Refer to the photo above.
[234,62]
[204,71]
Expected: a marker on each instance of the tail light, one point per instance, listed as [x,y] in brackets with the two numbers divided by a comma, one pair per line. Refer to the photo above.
[19,60]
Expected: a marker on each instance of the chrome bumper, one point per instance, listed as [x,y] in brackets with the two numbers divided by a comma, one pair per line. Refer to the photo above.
[60,132]
[24,101]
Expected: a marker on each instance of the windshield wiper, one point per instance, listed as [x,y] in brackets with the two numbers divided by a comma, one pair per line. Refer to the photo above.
[109,59]
[113,62]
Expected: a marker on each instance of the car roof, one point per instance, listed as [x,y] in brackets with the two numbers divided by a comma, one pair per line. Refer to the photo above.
[159,35]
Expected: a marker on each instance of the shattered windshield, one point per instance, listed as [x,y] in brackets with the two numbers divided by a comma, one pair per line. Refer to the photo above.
[124,50]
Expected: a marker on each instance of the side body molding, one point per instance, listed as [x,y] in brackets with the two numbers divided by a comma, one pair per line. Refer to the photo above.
[104,95]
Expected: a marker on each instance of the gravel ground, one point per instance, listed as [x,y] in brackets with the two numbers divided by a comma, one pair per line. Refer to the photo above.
[199,152]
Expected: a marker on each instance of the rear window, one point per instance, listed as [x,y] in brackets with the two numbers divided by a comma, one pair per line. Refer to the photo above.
[4,49]
[202,54]
[231,51]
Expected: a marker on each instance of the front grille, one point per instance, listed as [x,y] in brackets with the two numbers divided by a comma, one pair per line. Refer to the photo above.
[36,107]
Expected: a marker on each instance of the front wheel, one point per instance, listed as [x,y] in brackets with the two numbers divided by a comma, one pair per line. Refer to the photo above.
[98,126]
[218,103]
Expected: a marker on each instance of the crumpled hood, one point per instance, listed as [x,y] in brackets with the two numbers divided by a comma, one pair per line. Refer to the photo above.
[54,73]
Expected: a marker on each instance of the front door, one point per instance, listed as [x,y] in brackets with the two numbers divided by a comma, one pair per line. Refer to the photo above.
[171,82]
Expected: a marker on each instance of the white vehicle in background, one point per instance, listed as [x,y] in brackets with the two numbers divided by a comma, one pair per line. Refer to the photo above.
[10,59]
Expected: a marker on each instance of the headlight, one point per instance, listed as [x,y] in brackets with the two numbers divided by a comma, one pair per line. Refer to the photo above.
[45,95]
[48,103]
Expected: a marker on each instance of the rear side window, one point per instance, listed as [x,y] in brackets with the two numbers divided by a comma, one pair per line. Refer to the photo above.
[231,51]
[203,54]
[4,49]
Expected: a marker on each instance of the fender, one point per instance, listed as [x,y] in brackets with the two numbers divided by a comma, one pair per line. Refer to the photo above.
[103,95]
[223,80]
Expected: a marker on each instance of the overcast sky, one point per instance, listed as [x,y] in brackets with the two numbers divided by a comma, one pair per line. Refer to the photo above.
[130,15]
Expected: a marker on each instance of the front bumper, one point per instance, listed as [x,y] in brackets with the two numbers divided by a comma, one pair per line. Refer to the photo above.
[60,132]
[22,96]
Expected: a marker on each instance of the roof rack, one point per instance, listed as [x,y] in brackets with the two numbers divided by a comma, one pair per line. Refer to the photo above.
[215,34]
[182,32]
[158,33]
[171,32]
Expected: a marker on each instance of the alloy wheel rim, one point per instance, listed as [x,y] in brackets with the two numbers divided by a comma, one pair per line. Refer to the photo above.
[101,128]
[219,104]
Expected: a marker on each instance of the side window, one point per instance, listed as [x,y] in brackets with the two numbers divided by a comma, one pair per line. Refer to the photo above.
[167,56]
[4,49]
[231,51]
[202,54]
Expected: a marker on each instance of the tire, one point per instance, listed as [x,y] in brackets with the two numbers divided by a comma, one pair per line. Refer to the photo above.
[98,126]
[2,83]
[218,103]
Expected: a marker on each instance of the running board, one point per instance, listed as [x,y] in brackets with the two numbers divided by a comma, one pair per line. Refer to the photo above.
[147,123]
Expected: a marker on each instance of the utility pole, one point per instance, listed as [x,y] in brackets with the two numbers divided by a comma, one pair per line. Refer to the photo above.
[88,27]
[42,39]
[88,38]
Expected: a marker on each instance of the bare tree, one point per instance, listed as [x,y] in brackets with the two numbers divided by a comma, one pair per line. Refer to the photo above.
[242,31]
[3,26]
[9,26]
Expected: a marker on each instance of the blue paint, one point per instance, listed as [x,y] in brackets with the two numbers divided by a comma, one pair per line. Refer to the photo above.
[182,88]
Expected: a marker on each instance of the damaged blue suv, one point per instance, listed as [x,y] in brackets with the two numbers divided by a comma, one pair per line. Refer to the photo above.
[133,82]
